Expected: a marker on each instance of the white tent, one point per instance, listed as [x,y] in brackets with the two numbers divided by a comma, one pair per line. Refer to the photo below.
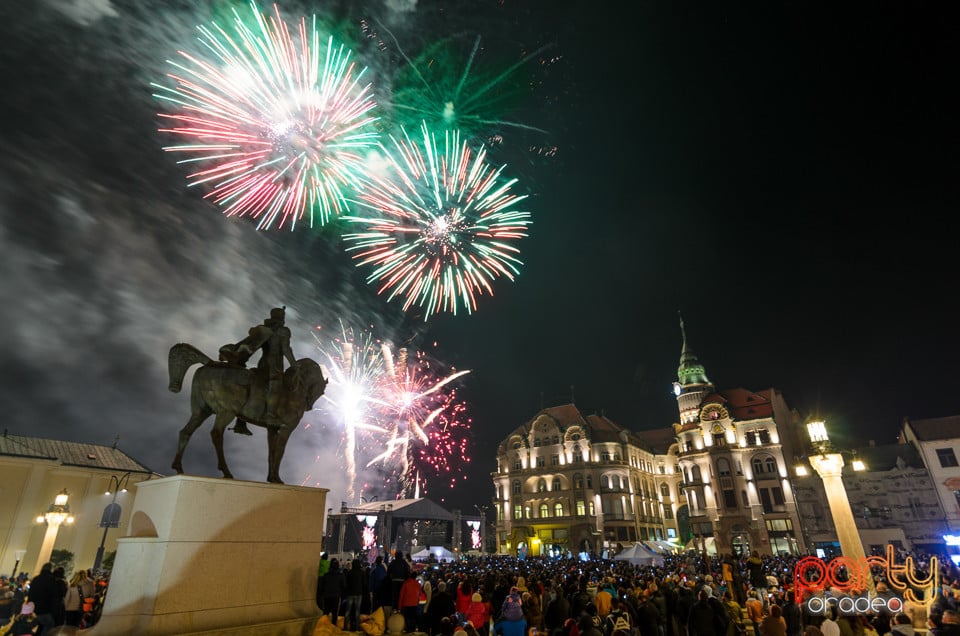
[439,552]
[639,554]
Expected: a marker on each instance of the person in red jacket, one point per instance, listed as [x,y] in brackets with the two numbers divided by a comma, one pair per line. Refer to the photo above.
[478,613]
[408,602]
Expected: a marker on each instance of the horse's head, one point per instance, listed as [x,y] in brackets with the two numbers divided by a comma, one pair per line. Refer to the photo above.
[313,382]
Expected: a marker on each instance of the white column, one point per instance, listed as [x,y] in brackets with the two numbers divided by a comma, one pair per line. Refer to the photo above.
[49,538]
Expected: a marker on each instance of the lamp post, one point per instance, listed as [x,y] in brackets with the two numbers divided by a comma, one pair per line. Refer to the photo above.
[828,463]
[56,515]
[111,513]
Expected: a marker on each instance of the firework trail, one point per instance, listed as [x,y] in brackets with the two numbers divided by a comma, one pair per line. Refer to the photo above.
[444,224]
[275,121]
[355,372]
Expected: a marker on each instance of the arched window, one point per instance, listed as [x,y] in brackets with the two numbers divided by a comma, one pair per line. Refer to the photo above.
[591,509]
[577,453]
[558,509]
[589,481]
[664,490]
[499,492]
[757,466]
[544,511]
[771,465]
[536,441]
[542,485]
[516,487]
[556,484]
[723,467]
[604,481]
[578,481]
[556,439]
[695,473]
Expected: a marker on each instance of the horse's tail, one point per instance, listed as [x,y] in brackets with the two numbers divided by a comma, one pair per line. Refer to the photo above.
[182,357]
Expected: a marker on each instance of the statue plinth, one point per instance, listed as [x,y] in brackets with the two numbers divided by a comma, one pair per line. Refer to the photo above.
[217,557]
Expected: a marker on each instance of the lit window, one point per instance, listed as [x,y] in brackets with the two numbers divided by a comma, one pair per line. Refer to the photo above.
[518,512]
[542,485]
[544,511]
[581,508]
[558,509]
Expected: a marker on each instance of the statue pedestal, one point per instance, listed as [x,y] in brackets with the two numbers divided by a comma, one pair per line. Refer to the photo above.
[216,557]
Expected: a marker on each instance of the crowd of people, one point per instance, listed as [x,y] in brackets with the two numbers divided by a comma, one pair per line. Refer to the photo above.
[37,605]
[689,595]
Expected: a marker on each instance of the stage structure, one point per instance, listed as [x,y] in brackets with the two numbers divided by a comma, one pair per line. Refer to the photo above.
[376,528]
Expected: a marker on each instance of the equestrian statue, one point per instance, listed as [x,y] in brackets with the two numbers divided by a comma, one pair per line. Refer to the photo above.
[266,395]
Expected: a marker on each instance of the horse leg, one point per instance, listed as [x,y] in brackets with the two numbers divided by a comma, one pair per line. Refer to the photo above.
[192,425]
[223,419]
[276,444]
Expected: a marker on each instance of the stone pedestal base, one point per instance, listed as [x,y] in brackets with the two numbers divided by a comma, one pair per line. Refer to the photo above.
[216,557]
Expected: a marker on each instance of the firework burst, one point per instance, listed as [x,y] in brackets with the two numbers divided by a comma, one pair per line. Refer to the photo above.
[355,372]
[448,88]
[275,121]
[444,227]
[428,423]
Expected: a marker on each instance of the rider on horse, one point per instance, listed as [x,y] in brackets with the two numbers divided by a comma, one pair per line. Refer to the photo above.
[272,339]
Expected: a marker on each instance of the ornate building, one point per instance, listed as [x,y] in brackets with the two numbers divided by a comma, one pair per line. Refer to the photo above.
[733,449]
[569,483]
[722,480]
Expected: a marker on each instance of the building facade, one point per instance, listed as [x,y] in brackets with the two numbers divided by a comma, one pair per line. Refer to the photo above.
[734,456]
[567,483]
[33,471]
[938,442]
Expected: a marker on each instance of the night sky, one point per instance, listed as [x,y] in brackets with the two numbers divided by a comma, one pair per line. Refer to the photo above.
[783,174]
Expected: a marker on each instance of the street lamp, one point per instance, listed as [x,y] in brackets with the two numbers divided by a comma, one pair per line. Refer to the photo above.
[111,513]
[828,462]
[56,515]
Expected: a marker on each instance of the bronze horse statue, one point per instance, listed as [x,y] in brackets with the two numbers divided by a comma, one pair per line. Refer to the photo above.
[233,391]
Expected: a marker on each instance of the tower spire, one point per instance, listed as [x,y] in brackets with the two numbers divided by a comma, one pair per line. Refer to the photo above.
[690,370]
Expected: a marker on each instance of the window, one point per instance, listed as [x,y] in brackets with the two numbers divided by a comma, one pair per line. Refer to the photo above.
[581,508]
[947,457]
[779,525]
[516,487]
[558,509]
[604,482]
[719,440]
[744,499]
[577,453]
[518,465]
[771,465]
[527,513]
[751,438]
[723,467]
[605,456]
[764,436]
[556,484]
[665,491]
[541,462]
[518,511]
[777,493]
[499,492]
[757,467]
[695,474]
[516,445]
[541,485]
[591,509]
[765,499]
[590,481]
[556,439]
[729,498]
[554,460]
[544,511]
[536,442]
[578,481]
[667,513]
[615,481]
